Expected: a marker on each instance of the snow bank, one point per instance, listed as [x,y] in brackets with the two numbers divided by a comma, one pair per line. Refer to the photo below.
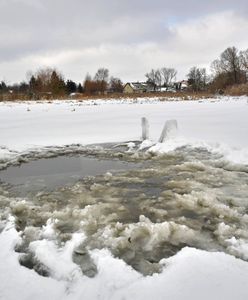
[191,274]
[17,282]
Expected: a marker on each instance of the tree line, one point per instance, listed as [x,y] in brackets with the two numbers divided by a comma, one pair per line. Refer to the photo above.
[49,83]
[231,68]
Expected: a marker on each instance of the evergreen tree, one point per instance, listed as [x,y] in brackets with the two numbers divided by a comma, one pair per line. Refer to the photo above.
[57,84]
[3,86]
[33,84]
[23,87]
[71,87]
[80,88]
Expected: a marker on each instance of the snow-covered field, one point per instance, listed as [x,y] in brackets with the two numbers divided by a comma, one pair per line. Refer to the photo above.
[219,124]
[31,130]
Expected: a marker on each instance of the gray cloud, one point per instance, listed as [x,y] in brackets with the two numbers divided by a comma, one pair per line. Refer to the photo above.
[78,35]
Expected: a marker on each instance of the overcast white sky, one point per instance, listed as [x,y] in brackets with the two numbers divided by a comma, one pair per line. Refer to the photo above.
[127,36]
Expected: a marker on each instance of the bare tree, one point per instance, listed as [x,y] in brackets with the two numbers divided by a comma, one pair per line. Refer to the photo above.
[228,63]
[168,74]
[101,80]
[231,68]
[197,78]
[151,78]
[244,60]
[116,85]
[154,77]
[44,76]
[158,78]
[215,67]
[89,85]
[102,74]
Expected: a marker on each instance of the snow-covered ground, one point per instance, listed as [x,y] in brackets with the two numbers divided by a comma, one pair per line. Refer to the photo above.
[191,274]
[220,125]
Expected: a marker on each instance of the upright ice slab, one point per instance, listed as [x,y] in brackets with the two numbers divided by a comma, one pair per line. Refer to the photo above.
[169,130]
[145,128]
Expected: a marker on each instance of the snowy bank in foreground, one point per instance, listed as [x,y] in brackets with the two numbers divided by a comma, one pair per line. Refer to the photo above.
[218,124]
[191,274]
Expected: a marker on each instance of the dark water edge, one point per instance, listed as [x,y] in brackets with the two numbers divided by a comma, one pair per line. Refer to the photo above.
[54,172]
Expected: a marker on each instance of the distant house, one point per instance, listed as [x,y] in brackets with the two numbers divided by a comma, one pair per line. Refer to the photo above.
[184,85]
[137,87]
[145,87]
[181,85]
